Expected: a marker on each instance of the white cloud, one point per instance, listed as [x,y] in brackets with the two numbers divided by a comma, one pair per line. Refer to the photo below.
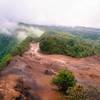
[63,12]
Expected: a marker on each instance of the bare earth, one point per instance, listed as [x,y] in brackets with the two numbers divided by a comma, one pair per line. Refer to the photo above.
[25,79]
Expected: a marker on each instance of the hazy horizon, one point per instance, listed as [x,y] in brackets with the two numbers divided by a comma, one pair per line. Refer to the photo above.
[52,12]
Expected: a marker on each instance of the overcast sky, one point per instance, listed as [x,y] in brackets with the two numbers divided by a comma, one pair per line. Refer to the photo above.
[58,12]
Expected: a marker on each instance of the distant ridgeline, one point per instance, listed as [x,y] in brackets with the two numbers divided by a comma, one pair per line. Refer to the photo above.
[84,32]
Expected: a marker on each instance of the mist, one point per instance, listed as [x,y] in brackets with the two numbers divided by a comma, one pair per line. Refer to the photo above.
[52,12]
[20,31]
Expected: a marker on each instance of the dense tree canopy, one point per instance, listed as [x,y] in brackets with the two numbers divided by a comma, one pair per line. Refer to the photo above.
[61,43]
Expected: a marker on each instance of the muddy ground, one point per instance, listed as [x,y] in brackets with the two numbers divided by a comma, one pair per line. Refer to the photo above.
[29,77]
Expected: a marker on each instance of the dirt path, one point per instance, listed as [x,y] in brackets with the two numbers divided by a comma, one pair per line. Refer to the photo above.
[85,69]
[25,77]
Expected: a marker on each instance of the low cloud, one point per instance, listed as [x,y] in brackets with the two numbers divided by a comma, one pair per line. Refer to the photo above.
[56,12]
[20,31]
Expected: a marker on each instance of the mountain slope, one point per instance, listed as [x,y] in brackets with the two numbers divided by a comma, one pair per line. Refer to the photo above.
[27,74]
[11,37]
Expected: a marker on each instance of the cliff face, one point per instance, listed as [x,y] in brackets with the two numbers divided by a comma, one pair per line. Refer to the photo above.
[28,77]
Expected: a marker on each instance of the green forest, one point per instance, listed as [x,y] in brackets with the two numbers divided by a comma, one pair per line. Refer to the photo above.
[9,47]
[75,42]
[68,44]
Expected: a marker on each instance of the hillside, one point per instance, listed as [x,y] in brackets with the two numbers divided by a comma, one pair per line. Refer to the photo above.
[6,44]
[26,75]
[31,55]
[13,38]
[67,44]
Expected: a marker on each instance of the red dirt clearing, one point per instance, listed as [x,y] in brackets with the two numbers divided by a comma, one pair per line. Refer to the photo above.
[29,69]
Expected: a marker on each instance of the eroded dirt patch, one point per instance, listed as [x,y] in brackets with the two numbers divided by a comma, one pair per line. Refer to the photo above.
[29,77]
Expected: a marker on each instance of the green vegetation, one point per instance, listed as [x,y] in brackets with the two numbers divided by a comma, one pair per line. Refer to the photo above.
[63,80]
[13,50]
[22,47]
[83,32]
[77,93]
[5,60]
[6,44]
[67,44]
[66,83]
[82,93]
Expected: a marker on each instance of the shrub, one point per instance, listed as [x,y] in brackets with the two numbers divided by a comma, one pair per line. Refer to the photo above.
[81,93]
[77,93]
[63,80]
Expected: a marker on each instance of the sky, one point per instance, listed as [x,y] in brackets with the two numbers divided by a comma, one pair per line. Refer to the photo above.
[52,12]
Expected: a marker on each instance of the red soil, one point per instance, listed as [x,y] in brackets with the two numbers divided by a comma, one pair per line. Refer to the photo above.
[27,73]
